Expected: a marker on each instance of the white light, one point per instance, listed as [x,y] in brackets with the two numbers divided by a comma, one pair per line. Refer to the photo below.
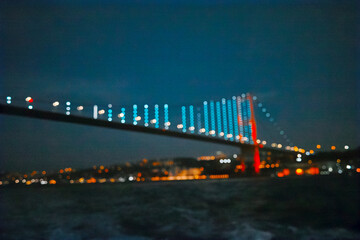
[120,115]
[299,155]
[221,161]
[153,121]
[348,166]
[102,111]
[30,107]
[109,119]
[8,101]
[346,147]
[229,135]
[109,105]
[298,159]
[258,141]
[68,108]
[235,156]
[279,145]
[288,147]
[122,121]
[55,104]
[330,169]
[168,124]
[340,171]
[202,130]
[191,128]
[221,134]
[138,118]
[68,103]
[146,106]
[67,113]
[131,178]
[179,126]
[273,144]
[146,124]
[95,112]
[43,182]
[28,99]
[238,137]
[264,142]
[8,98]
[212,132]
[307,153]
[80,108]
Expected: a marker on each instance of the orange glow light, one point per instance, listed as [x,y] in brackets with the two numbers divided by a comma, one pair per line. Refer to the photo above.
[286,172]
[61,171]
[358,170]
[52,181]
[299,172]
[280,174]
[333,147]
[318,146]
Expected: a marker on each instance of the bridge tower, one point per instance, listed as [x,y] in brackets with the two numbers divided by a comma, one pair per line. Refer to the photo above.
[252,123]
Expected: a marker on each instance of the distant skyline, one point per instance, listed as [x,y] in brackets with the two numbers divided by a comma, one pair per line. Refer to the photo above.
[299,57]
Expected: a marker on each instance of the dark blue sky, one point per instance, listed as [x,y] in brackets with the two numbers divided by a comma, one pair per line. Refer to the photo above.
[300,58]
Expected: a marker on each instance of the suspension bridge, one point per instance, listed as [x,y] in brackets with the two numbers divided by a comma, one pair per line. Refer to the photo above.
[226,121]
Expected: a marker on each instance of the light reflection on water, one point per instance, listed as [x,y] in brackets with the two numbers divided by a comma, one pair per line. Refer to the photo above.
[296,208]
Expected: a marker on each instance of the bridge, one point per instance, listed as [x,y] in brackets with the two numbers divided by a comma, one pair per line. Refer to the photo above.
[229,122]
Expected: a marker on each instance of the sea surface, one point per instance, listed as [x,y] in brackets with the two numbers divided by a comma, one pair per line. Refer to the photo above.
[321,207]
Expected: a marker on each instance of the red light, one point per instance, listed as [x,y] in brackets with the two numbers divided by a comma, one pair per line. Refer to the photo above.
[31,100]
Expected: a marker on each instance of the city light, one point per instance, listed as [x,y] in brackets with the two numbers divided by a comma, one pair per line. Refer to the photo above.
[80,108]
[8,100]
[29,99]
[56,103]
[318,146]
[235,114]
[346,147]
[333,147]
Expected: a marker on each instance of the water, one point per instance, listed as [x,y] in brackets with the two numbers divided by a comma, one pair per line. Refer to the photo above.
[295,208]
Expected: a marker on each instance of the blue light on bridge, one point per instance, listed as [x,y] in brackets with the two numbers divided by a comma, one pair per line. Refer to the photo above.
[249,123]
[95,112]
[68,104]
[122,115]
[8,100]
[146,115]
[223,102]
[206,118]
[198,115]
[240,116]
[166,116]
[231,129]
[134,114]
[218,114]
[192,124]
[110,113]
[212,118]
[245,120]
[156,108]
[236,124]
[183,118]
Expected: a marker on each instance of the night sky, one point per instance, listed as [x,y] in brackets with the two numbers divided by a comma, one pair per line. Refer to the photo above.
[301,58]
